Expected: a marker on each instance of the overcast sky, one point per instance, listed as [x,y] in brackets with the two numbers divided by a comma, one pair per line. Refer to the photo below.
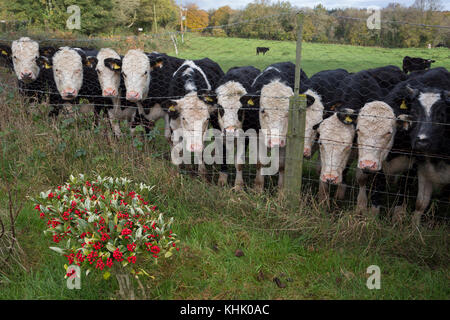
[239,4]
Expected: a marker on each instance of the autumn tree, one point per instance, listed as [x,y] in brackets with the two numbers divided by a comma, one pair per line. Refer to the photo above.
[195,18]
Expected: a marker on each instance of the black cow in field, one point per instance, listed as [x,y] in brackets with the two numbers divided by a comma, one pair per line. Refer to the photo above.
[416,64]
[262,50]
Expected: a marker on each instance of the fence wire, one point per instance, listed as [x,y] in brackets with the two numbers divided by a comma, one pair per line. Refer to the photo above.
[247,84]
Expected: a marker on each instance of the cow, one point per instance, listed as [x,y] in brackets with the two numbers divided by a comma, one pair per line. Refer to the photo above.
[5,56]
[262,50]
[354,91]
[322,87]
[382,129]
[75,79]
[415,64]
[269,94]
[230,113]
[147,77]
[193,102]
[430,139]
[33,81]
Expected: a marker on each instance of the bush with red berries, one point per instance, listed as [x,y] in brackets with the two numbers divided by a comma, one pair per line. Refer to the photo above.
[105,223]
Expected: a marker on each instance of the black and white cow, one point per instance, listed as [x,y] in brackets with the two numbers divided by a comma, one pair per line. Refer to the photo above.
[269,95]
[382,128]
[322,87]
[415,64]
[430,139]
[147,77]
[75,78]
[34,81]
[231,117]
[193,101]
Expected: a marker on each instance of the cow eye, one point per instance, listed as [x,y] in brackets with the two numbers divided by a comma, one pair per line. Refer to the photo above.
[14,57]
[145,73]
[98,71]
[262,111]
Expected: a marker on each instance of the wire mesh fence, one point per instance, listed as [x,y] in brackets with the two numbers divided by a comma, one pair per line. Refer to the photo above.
[376,118]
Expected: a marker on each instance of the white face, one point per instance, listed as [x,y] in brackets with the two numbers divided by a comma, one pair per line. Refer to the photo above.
[273,114]
[24,53]
[228,96]
[193,120]
[314,114]
[109,79]
[336,139]
[136,74]
[376,127]
[68,72]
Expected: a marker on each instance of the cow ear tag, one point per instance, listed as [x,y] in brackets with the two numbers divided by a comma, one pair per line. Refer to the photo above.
[403,105]
[47,66]
[250,102]
[348,119]
[172,108]
[4,53]
[115,66]
[209,99]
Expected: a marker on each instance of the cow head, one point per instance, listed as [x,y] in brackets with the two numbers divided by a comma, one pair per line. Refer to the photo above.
[67,64]
[24,53]
[336,135]
[430,114]
[231,113]
[5,54]
[376,128]
[136,69]
[108,65]
[273,113]
[191,115]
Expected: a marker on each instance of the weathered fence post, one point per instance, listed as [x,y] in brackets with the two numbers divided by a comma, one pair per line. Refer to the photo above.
[296,131]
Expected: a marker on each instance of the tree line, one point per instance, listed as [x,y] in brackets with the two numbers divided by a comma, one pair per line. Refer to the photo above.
[401,26]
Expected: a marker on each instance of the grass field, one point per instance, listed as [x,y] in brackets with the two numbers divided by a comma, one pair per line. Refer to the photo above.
[317,254]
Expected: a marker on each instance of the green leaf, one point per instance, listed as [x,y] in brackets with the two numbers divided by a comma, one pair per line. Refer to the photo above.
[57,249]
[168,254]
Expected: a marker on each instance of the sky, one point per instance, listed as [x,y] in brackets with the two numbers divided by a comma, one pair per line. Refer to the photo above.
[239,4]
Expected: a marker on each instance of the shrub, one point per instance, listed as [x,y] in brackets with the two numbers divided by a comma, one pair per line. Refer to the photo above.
[105,224]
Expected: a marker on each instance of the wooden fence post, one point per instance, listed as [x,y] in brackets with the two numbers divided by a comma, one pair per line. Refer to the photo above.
[296,131]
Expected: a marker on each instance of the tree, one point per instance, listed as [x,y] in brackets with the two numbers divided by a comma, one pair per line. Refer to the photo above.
[196,18]
[221,16]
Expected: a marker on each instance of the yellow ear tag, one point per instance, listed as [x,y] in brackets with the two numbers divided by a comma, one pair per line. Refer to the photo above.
[47,66]
[209,99]
[348,119]
[115,66]
[4,53]
[172,108]
[250,102]
[403,105]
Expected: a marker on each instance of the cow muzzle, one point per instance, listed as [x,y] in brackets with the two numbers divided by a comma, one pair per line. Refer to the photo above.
[195,147]
[307,153]
[69,94]
[330,178]
[109,92]
[133,96]
[368,165]
[26,76]
[273,142]
[422,144]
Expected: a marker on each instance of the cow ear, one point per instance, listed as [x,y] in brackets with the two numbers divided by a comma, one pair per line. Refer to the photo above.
[347,116]
[44,62]
[113,64]
[91,62]
[47,51]
[5,50]
[171,107]
[207,96]
[250,100]
[411,92]
[404,122]
[332,106]
[157,63]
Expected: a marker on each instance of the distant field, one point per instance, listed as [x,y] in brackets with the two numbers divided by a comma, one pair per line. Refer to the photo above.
[231,52]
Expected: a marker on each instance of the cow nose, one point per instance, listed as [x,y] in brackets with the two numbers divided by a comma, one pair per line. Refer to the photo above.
[307,153]
[26,75]
[69,93]
[368,165]
[422,144]
[108,92]
[229,130]
[132,96]
[329,178]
